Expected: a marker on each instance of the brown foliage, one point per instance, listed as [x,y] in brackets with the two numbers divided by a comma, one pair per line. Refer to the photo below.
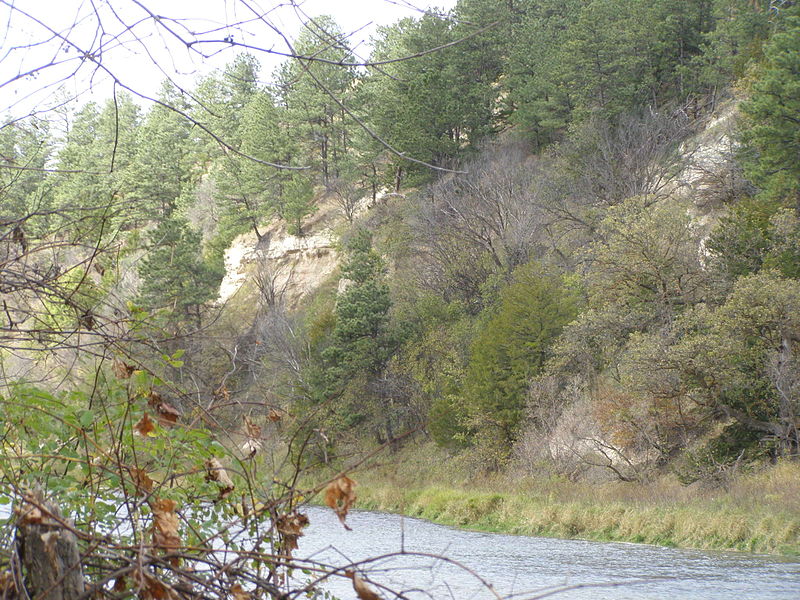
[166,414]
[122,370]
[141,481]
[238,592]
[145,426]
[340,496]
[216,472]
[8,589]
[150,588]
[165,527]
[363,591]
[290,527]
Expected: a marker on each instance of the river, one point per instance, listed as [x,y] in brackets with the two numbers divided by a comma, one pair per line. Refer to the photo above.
[520,567]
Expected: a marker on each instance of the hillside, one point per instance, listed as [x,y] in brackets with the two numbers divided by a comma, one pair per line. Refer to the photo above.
[537,246]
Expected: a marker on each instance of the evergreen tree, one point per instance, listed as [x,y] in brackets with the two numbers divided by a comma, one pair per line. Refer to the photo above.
[361,339]
[173,274]
[510,348]
[250,191]
[25,191]
[161,169]
[307,85]
[772,131]
[99,147]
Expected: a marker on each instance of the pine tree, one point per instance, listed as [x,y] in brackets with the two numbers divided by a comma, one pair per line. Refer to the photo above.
[173,274]
[773,128]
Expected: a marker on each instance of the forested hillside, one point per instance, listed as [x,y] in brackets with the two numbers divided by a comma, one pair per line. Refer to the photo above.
[568,240]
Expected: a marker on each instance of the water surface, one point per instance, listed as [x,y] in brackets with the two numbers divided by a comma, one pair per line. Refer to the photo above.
[531,567]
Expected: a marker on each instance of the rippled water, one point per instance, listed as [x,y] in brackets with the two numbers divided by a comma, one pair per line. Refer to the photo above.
[523,568]
[530,567]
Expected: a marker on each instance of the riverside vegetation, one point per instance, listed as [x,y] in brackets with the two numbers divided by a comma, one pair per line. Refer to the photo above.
[569,267]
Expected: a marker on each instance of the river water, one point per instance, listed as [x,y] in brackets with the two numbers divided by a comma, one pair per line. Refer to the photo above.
[522,567]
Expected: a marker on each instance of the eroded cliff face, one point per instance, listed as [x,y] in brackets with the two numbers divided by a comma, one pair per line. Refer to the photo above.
[289,267]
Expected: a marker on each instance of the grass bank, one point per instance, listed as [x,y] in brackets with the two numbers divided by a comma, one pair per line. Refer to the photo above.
[758,512]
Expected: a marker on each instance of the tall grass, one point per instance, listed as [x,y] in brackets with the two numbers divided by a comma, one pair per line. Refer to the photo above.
[758,512]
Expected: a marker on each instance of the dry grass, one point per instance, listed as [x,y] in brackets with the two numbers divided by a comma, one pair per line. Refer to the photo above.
[759,512]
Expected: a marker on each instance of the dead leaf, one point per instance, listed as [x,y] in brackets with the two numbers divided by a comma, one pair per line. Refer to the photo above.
[150,588]
[222,391]
[166,414]
[165,527]
[290,527]
[238,593]
[122,370]
[253,442]
[141,481]
[363,591]
[274,415]
[252,430]
[216,472]
[340,496]
[145,426]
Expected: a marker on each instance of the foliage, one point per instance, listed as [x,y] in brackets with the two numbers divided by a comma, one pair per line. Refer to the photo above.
[173,274]
[512,347]
[772,131]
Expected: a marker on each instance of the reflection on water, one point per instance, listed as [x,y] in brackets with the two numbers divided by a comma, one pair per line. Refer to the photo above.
[527,567]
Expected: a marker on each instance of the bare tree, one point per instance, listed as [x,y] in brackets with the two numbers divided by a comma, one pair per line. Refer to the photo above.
[604,163]
[486,221]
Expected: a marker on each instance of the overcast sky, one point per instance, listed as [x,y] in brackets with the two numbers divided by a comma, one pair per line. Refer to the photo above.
[50,49]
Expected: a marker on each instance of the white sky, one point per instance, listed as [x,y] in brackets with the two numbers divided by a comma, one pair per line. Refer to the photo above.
[42,41]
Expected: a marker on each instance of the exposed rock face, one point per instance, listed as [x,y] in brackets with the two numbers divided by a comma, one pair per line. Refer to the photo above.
[292,265]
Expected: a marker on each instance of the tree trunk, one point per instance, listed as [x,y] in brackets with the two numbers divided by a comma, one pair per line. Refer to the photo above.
[48,551]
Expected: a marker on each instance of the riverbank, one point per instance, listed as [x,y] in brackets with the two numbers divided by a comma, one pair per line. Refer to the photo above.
[758,512]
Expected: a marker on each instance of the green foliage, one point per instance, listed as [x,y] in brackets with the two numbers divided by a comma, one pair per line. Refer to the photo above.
[361,340]
[772,130]
[647,255]
[309,91]
[756,234]
[739,357]
[98,148]
[173,274]
[161,169]
[712,462]
[512,347]
[24,192]
[430,106]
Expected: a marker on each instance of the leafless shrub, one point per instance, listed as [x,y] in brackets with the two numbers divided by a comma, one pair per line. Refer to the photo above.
[482,223]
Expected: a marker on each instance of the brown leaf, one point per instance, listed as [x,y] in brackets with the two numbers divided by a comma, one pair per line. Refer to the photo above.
[252,430]
[253,442]
[141,481]
[238,593]
[150,588]
[145,426]
[122,370]
[222,391]
[165,527]
[290,527]
[340,496]
[166,414]
[363,591]
[274,415]
[216,472]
